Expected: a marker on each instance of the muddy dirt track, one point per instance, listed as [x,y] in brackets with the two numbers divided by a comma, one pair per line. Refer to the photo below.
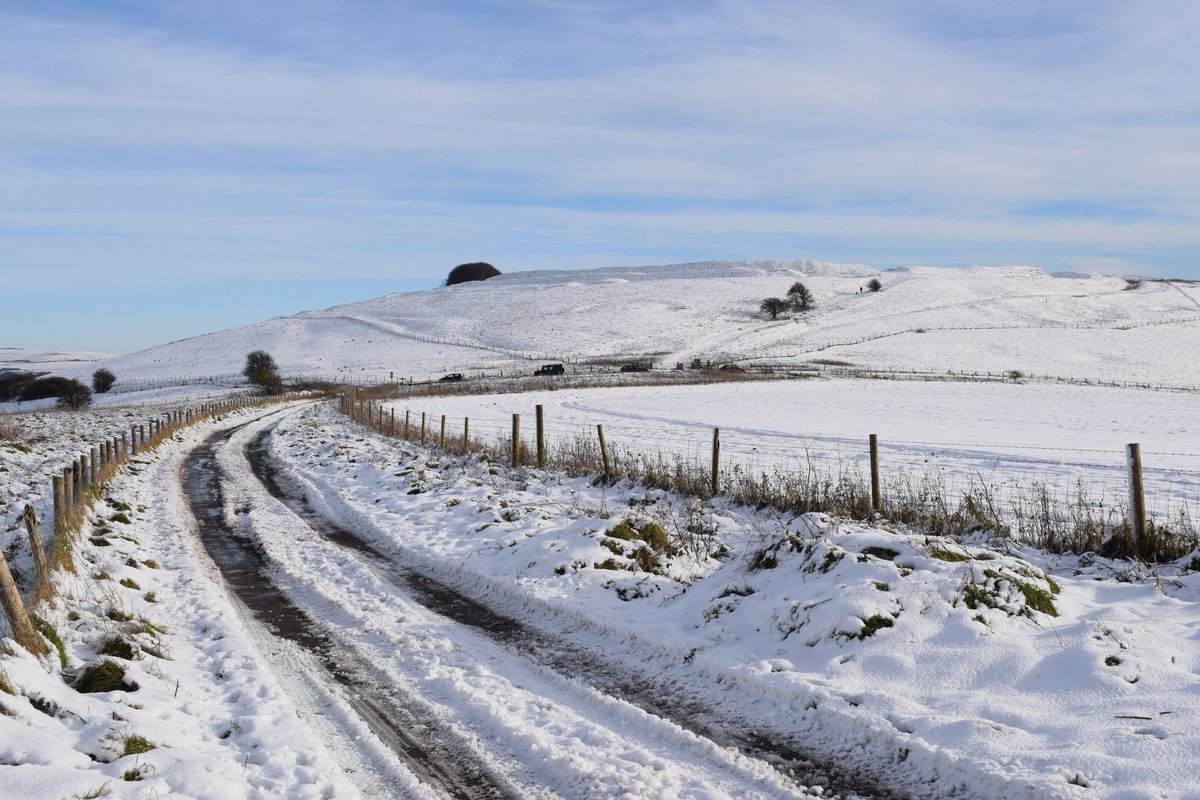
[435,753]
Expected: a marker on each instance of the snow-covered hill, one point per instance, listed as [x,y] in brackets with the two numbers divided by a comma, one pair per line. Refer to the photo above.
[975,319]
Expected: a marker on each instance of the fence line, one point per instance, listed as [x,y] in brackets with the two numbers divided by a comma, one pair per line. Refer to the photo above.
[76,488]
[1060,512]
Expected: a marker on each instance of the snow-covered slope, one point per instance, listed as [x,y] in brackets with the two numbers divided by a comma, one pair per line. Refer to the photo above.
[977,318]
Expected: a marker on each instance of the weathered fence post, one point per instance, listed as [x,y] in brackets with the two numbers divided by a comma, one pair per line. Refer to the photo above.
[442,439]
[95,466]
[41,572]
[716,461]
[14,610]
[541,436]
[466,433]
[422,427]
[516,440]
[392,425]
[68,494]
[604,454]
[406,415]
[876,491]
[1137,497]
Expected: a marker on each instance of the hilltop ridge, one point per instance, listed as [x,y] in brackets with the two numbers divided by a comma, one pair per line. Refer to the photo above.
[971,318]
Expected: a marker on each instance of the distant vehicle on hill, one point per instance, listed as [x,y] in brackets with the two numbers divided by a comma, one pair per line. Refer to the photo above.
[550,369]
[634,368]
[453,376]
[730,368]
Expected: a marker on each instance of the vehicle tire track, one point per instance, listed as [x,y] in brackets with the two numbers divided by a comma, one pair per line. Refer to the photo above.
[434,760]
[557,654]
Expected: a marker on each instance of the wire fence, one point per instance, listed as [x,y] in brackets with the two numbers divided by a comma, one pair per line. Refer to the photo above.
[1061,498]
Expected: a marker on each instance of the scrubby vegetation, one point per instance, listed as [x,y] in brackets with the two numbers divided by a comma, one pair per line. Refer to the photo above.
[103,380]
[262,371]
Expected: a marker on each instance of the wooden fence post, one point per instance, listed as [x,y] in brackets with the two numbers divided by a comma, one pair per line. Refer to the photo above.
[422,427]
[876,491]
[406,414]
[604,454]
[68,493]
[716,462]
[442,439]
[516,440]
[95,466]
[392,426]
[14,610]
[1137,497]
[41,572]
[541,437]
[466,433]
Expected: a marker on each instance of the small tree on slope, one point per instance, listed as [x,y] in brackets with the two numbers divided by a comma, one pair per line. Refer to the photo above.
[774,306]
[800,298]
[262,372]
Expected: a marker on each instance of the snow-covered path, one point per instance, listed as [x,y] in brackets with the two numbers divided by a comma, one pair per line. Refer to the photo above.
[532,731]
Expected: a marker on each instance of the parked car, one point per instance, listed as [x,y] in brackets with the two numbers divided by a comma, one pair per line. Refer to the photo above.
[550,369]
[730,368]
[634,368]
[453,376]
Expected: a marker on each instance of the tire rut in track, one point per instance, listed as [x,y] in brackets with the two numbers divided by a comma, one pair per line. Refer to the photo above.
[569,659]
[433,761]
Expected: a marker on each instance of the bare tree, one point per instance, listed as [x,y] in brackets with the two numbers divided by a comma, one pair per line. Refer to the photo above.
[74,396]
[774,306]
[103,380]
[800,298]
[874,285]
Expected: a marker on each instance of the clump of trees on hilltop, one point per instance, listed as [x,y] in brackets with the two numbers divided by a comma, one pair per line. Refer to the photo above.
[475,271]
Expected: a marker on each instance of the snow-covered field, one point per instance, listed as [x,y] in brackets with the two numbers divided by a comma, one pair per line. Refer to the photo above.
[1000,433]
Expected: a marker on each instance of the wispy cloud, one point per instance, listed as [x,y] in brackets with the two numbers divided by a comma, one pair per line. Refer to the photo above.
[381,138]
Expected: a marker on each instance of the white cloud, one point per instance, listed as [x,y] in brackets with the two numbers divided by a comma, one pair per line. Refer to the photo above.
[907,122]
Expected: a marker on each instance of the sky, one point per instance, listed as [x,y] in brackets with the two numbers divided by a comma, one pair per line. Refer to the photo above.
[168,169]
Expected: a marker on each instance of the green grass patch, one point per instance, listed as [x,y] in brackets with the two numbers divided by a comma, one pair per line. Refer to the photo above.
[118,647]
[884,553]
[136,744]
[51,633]
[103,676]
[872,625]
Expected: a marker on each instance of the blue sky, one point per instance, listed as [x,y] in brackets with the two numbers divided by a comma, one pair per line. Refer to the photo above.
[195,165]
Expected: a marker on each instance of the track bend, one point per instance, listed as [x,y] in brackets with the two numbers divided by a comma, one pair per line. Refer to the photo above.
[560,655]
[450,687]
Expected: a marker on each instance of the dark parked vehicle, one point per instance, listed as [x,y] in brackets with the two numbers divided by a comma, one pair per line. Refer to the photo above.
[550,369]
[730,368]
[453,376]
[634,368]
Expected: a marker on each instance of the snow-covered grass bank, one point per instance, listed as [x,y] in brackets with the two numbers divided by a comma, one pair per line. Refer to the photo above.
[185,705]
[977,667]
[1049,460]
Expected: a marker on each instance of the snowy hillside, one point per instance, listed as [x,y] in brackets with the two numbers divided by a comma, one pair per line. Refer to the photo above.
[974,319]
